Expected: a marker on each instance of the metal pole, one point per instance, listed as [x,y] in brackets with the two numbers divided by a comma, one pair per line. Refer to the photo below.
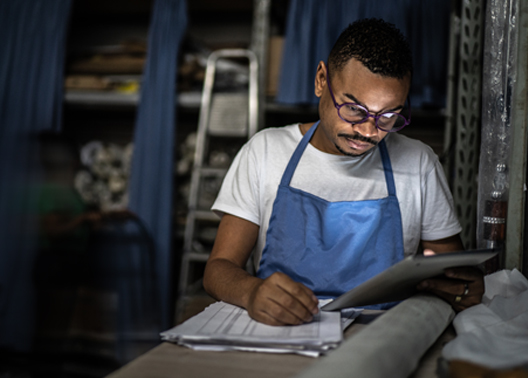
[468,117]
[515,230]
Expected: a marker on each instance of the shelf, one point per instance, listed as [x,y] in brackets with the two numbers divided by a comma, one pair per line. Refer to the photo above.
[191,100]
[93,98]
[205,215]
[101,98]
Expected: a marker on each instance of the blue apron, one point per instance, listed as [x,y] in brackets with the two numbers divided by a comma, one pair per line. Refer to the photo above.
[331,247]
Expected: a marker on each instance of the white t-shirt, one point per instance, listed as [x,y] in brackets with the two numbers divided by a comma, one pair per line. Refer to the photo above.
[426,205]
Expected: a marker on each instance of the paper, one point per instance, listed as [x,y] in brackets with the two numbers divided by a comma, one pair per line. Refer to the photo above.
[222,326]
[494,333]
[348,315]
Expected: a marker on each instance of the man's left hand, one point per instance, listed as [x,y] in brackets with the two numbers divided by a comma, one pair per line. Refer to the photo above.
[463,287]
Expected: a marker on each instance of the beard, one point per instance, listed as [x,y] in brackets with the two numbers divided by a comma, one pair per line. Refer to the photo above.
[358,137]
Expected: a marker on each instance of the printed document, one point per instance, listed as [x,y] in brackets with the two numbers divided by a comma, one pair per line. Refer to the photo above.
[222,326]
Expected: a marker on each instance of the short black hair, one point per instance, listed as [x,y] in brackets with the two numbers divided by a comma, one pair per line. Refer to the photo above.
[377,44]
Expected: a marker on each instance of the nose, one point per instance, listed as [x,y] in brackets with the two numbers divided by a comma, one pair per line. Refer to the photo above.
[367,128]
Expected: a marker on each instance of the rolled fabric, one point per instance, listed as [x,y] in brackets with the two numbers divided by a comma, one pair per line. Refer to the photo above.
[390,346]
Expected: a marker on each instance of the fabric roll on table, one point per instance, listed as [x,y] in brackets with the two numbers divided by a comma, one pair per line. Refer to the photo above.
[392,345]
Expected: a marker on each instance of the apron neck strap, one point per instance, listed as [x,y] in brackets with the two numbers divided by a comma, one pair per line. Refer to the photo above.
[292,165]
[288,173]
[387,168]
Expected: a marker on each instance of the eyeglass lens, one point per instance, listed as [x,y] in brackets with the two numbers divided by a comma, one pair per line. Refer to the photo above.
[385,121]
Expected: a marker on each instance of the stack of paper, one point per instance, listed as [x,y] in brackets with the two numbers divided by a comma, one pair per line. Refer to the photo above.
[222,326]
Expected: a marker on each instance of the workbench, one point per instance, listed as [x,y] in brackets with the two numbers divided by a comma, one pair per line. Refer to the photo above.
[171,360]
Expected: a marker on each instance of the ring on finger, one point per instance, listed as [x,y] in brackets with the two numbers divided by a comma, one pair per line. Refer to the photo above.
[458,298]
[466,289]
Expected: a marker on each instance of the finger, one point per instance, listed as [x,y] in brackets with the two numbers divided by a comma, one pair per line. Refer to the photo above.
[275,314]
[292,304]
[261,315]
[449,286]
[274,303]
[302,296]
[473,277]
[462,303]
[464,273]
[293,313]
[456,294]
[297,290]
[278,303]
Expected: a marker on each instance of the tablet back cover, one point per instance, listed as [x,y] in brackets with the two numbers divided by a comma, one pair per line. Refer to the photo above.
[399,281]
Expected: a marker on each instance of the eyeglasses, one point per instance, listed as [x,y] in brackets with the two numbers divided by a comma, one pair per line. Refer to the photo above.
[354,113]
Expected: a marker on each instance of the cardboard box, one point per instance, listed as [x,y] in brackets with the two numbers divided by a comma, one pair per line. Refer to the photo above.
[276,44]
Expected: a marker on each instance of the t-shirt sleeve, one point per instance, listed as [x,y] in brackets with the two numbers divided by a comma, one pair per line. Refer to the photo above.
[239,192]
[439,219]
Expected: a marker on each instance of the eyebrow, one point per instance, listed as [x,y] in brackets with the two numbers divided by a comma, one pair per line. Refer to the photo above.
[363,105]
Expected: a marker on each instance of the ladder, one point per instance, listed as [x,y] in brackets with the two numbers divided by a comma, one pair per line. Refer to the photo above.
[223,117]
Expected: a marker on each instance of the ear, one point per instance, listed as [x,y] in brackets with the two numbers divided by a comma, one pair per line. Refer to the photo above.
[320,79]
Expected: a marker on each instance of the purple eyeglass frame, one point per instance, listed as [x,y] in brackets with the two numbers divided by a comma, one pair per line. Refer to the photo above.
[369,114]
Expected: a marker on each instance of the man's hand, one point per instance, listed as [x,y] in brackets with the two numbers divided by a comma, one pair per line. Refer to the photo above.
[278,300]
[463,287]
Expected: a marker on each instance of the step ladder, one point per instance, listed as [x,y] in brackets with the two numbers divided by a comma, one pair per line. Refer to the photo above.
[224,116]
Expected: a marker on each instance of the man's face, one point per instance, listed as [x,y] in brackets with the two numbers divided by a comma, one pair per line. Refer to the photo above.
[354,84]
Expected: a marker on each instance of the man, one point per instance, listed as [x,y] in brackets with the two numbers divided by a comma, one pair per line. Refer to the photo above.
[354,196]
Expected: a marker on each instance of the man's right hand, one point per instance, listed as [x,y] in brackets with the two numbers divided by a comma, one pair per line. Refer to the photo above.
[278,300]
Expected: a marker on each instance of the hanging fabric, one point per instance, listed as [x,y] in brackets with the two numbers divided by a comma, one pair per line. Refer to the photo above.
[313,27]
[32,40]
[428,32]
[152,174]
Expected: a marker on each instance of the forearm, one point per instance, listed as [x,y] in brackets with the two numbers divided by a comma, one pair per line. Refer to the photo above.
[226,281]
[450,244]
[225,277]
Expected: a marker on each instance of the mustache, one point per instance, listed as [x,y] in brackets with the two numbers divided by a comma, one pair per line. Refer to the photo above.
[360,138]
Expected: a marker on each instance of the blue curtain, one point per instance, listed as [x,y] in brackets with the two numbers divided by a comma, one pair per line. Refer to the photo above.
[32,40]
[313,26]
[151,182]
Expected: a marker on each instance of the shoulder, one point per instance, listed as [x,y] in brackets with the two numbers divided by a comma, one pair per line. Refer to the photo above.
[403,143]
[405,151]
[284,134]
[268,146]
[274,140]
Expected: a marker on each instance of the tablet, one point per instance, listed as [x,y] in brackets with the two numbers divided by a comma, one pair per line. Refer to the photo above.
[399,281]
